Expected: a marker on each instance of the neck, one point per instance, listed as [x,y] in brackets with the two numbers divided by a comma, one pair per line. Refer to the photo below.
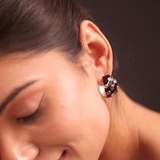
[128,130]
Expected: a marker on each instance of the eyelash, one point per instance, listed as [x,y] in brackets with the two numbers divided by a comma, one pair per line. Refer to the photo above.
[33,116]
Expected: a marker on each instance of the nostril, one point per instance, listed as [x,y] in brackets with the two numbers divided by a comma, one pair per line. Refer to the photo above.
[64,152]
[63,155]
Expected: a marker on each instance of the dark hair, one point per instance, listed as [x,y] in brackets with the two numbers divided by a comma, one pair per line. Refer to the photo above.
[41,25]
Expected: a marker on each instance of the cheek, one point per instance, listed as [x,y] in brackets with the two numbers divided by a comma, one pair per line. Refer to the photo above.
[76,125]
[62,125]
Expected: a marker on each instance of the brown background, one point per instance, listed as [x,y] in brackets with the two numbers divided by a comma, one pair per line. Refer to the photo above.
[133,28]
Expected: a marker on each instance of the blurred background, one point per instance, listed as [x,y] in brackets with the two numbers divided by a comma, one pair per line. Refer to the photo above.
[133,29]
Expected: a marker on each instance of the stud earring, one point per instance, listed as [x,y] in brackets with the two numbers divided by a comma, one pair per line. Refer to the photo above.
[109,87]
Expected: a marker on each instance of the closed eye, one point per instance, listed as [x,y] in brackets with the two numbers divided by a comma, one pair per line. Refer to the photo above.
[34,116]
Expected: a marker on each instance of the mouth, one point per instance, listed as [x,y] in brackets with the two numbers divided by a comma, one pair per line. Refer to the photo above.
[62,156]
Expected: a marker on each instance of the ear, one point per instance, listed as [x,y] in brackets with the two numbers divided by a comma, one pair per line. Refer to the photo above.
[98,49]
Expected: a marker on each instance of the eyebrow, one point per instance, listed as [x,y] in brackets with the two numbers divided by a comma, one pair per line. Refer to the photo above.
[13,94]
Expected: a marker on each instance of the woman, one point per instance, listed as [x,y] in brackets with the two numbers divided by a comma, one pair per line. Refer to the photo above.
[53,60]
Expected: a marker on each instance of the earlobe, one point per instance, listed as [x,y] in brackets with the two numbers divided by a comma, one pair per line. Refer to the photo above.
[97,48]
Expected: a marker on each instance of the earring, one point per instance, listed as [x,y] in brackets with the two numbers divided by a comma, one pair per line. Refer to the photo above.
[109,87]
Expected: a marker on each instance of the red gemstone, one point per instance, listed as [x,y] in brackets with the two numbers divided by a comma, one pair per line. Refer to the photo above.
[112,87]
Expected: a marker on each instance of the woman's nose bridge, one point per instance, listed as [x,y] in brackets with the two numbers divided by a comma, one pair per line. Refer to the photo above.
[17,150]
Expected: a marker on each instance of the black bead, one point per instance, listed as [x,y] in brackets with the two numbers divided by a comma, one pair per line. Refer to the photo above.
[105,79]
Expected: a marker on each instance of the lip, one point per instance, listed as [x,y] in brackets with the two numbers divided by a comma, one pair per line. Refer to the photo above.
[62,156]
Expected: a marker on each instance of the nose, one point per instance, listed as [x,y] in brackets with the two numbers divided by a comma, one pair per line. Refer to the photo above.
[17,151]
[28,152]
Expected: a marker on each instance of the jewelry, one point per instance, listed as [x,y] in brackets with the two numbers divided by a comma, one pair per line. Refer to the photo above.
[109,87]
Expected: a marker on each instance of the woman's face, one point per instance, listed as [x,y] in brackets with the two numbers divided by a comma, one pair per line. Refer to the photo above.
[49,110]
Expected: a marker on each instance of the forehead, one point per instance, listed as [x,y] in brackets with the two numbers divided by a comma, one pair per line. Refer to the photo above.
[16,71]
[37,62]
[21,68]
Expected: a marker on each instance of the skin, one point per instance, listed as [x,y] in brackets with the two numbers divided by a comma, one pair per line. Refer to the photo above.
[73,118]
